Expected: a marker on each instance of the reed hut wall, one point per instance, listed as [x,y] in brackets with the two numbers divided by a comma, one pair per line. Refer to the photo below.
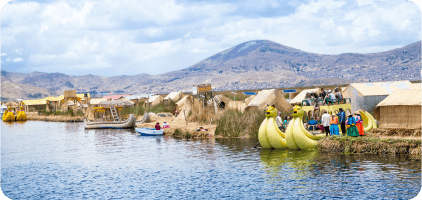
[237,105]
[358,101]
[249,99]
[69,94]
[403,117]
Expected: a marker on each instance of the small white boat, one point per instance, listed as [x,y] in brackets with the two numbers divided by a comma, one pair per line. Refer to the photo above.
[149,131]
[2,109]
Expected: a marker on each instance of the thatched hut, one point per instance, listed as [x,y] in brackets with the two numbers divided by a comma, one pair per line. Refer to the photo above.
[401,110]
[223,101]
[153,101]
[270,97]
[184,106]
[34,105]
[366,96]
[302,95]
[173,96]
[11,104]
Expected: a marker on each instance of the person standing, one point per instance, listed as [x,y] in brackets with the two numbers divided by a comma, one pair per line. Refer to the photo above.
[325,119]
[352,130]
[278,121]
[342,121]
[334,125]
[359,124]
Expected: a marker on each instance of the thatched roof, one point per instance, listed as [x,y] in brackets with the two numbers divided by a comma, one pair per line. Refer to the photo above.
[94,101]
[249,98]
[174,96]
[117,102]
[301,96]
[409,97]
[34,102]
[154,100]
[380,88]
[270,97]
[224,99]
[11,104]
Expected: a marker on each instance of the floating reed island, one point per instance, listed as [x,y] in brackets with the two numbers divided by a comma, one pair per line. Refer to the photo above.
[371,143]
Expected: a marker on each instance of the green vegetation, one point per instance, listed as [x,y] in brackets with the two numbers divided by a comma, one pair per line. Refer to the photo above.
[237,124]
[139,110]
[369,145]
[170,107]
[60,113]
[238,97]
[180,133]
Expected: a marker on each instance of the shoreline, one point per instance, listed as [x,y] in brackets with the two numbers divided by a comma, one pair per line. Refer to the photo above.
[54,118]
[370,145]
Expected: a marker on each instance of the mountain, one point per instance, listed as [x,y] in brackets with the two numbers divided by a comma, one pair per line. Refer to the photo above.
[250,65]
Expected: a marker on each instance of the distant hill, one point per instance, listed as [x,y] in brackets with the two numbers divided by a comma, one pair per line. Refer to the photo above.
[251,65]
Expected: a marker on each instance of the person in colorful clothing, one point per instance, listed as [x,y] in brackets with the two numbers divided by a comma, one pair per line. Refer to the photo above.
[165,125]
[359,123]
[342,121]
[351,123]
[157,126]
[334,130]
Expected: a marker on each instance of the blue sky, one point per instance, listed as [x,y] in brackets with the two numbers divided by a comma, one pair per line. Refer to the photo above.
[128,37]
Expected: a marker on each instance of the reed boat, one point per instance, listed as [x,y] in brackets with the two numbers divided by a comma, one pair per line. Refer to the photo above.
[128,123]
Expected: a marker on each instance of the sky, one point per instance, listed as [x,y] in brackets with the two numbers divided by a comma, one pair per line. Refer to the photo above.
[131,37]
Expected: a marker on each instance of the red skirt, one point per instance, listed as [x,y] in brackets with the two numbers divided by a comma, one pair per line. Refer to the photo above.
[359,126]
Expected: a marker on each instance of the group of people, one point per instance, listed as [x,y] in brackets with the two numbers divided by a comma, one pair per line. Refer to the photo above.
[323,96]
[353,124]
[282,124]
[158,127]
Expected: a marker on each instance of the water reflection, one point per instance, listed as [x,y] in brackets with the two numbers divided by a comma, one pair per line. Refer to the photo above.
[68,161]
[276,160]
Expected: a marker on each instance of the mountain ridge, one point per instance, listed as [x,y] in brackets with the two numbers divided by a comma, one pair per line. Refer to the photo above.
[253,64]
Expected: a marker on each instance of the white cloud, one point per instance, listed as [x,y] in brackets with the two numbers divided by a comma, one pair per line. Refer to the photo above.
[19,51]
[159,36]
[3,54]
[17,60]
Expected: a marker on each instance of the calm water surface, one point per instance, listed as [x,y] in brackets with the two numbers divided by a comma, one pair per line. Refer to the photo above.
[49,160]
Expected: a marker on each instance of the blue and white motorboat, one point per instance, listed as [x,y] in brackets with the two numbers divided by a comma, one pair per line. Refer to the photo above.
[149,131]
[2,110]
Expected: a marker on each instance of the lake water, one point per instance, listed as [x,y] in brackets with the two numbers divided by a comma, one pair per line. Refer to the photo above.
[49,160]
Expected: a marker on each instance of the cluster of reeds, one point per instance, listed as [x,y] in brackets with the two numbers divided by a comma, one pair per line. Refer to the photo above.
[237,97]
[135,110]
[370,145]
[69,112]
[163,107]
[202,115]
[237,124]
[181,134]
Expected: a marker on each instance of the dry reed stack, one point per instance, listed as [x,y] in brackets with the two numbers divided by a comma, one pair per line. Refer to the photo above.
[270,97]
[400,113]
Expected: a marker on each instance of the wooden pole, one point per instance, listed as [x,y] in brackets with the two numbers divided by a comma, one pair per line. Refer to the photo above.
[185,117]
